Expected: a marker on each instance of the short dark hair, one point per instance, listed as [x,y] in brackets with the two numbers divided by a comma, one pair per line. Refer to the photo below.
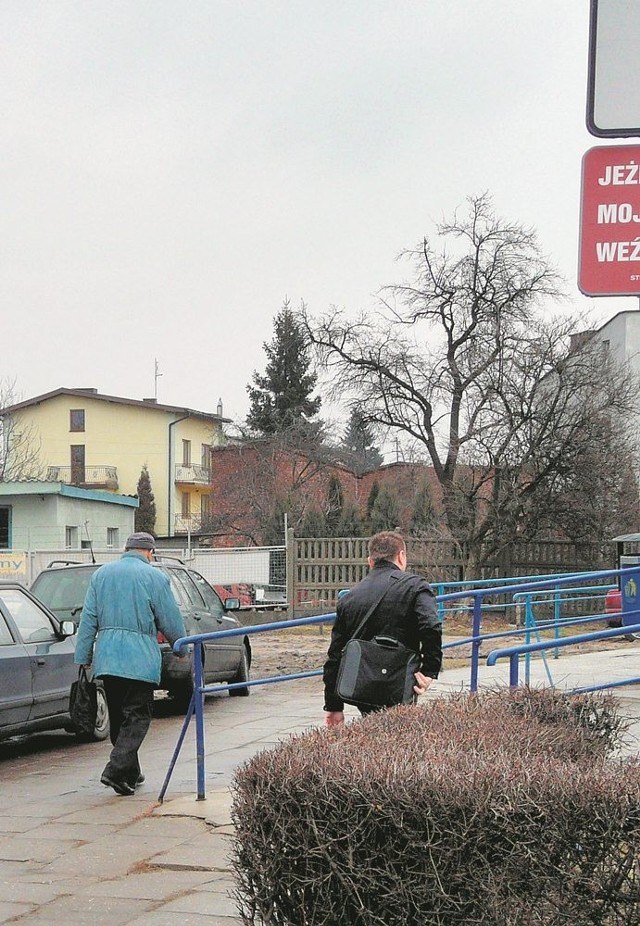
[386,545]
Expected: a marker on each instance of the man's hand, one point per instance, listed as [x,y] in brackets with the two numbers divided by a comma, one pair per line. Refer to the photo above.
[422,683]
[333,718]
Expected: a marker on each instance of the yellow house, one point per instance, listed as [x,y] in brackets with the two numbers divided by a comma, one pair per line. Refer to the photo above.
[96,441]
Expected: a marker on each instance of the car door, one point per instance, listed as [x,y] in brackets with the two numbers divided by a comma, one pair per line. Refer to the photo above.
[228,650]
[16,695]
[50,654]
[201,621]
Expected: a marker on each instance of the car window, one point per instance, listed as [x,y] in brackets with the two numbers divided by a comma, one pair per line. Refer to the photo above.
[213,603]
[190,589]
[63,590]
[178,591]
[33,624]
[5,634]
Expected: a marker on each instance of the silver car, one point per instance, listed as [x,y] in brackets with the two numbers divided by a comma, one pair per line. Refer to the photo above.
[37,668]
[62,586]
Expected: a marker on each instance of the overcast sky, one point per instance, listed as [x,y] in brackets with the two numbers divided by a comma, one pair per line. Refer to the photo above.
[173,169]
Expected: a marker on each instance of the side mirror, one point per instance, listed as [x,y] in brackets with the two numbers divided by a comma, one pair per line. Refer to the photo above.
[231,604]
[67,628]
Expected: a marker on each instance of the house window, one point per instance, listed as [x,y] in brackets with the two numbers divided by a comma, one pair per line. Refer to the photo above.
[113,537]
[71,538]
[5,528]
[186,453]
[205,506]
[76,419]
[186,505]
[206,457]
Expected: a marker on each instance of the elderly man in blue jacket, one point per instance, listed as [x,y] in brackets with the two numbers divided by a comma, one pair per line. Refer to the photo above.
[127,603]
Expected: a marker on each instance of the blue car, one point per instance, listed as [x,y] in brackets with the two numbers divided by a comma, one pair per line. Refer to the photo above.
[37,668]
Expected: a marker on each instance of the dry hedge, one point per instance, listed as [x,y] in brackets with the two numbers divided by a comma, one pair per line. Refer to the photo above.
[506,808]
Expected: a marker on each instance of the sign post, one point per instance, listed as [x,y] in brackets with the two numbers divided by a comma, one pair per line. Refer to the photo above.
[609,263]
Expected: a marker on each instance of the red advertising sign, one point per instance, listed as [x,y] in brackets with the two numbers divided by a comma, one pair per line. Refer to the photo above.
[609,263]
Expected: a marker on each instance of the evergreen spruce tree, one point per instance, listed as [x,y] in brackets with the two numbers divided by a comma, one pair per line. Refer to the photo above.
[350,523]
[273,531]
[385,512]
[281,398]
[335,504]
[314,524]
[371,500]
[424,517]
[145,515]
[358,441]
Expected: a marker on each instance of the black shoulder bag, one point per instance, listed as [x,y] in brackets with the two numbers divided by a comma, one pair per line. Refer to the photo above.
[376,673]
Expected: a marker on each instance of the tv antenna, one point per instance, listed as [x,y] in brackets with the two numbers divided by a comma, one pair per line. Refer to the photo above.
[156,376]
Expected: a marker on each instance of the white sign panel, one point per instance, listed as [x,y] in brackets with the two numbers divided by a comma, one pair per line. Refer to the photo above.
[613,96]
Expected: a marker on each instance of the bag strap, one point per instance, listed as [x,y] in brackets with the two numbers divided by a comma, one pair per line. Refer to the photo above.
[359,628]
[373,607]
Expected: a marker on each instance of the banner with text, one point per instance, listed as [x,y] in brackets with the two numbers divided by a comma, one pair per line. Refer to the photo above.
[13,565]
[609,263]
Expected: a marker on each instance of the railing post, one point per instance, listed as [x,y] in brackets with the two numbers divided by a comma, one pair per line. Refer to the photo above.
[513,670]
[556,617]
[475,646]
[199,710]
[529,622]
[438,588]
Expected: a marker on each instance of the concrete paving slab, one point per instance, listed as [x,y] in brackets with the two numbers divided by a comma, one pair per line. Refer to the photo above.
[152,884]
[208,852]
[21,849]
[163,918]
[13,911]
[208,903]
[20,824]
[76,832]
[215,809]
[91,911]
[113,856]
[30,892]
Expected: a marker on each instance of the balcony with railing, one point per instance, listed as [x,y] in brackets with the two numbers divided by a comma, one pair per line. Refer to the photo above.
[85,477]
[193,475]
[189,524]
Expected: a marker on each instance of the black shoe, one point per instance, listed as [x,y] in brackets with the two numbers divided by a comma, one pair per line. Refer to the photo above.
[120,787]
[139,780]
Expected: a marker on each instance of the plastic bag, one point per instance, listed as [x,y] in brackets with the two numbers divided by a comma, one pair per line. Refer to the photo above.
[83,704]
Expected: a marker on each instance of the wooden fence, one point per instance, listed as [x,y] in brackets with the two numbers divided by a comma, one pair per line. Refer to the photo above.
[317,568]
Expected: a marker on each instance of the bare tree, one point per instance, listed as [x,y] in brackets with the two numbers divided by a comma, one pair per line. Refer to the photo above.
[19,441]
[464,363]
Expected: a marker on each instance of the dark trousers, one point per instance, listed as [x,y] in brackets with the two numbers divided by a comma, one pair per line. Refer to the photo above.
[130,704]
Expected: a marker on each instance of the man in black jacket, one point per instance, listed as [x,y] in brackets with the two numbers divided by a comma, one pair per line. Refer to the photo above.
[407,612]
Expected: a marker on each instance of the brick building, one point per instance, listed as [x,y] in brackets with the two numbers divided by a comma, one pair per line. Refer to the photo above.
[251,482]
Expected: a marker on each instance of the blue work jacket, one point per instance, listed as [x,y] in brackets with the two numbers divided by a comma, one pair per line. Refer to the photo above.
[128,601]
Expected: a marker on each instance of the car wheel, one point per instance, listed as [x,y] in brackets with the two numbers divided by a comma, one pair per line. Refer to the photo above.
[102,727]
[241,676]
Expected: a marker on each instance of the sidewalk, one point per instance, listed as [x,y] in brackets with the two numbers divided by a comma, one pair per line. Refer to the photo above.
[73,852]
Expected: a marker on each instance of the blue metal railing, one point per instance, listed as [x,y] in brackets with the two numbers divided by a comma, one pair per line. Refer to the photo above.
[196,706]
[558,597]
[475,640]
[513,653]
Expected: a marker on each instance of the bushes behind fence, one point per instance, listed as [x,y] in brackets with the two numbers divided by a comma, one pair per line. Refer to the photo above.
[504,809]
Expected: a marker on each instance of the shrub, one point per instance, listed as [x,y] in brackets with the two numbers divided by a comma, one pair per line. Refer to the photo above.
[505,808]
